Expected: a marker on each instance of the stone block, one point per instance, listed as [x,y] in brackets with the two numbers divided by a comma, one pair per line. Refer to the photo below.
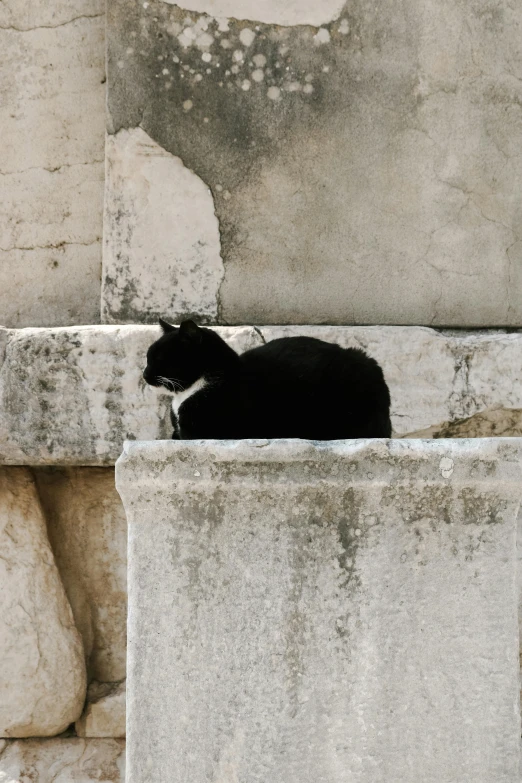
[362,161]
[42,676]
[71,396]
[51,161]
[67,760]
[332,613]
[88,534]
[104,713]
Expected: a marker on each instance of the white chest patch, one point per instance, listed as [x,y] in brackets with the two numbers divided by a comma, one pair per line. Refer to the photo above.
[178,398]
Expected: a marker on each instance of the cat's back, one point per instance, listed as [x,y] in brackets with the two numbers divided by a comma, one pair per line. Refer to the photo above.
[303,383]
[304,355]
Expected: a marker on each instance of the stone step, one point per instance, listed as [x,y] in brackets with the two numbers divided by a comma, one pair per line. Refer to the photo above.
[70,396]
[334,613]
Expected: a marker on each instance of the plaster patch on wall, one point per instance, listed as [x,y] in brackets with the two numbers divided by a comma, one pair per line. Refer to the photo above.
[288,13]
[162,245]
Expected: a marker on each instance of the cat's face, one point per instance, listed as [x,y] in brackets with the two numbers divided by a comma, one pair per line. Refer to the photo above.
[174,360]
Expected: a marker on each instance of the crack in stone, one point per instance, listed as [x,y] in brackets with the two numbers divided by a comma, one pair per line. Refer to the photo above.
[260,334]
[56,246]
[51,170]
[15,29]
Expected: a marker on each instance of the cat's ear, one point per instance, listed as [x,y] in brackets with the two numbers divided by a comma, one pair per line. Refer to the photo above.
[190,331]
[166,327]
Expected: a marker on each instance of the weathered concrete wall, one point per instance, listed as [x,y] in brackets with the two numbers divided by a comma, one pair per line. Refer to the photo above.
[362,162]
[51,161]
[71,396]
[342,613]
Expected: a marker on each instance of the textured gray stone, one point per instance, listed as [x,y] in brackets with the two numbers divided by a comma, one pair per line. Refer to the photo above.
[42,672]
[63,761]
[323,613]
[362,172]
[51,161]
[71,396]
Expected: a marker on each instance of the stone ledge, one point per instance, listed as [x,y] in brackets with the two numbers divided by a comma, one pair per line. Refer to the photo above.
[336,612]
[70,396]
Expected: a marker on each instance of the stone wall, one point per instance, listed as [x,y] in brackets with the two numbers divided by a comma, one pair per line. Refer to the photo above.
[51,161]
[361,159]
[267,163]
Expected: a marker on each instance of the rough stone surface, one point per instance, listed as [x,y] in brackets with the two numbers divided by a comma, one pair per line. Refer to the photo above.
[333,613]
[63,761]
[71,396]
[42,676]
[161,246]
[51,161]
[88,534]
[363,172]
[104,714]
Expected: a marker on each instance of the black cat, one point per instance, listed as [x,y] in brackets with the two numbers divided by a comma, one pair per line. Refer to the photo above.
[293,387]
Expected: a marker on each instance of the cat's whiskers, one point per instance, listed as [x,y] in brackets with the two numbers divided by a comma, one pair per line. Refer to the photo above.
[170,383]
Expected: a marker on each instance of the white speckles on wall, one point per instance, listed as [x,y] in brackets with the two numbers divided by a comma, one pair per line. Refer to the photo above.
[247,36]
[322,36]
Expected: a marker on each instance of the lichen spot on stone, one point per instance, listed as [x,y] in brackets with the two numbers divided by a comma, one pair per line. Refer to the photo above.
[446,467]
[187,105]
[204,41]
[322,36]
[247,36]
[274,93]
[344,27]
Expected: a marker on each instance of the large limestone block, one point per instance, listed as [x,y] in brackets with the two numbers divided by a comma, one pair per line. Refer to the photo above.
[42,672]
[63,761]
[362,171]
[342,613]
[88,534]
[51,161]
[104,713]
[71,396]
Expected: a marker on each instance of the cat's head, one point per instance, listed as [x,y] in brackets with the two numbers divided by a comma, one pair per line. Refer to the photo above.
[176,360]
